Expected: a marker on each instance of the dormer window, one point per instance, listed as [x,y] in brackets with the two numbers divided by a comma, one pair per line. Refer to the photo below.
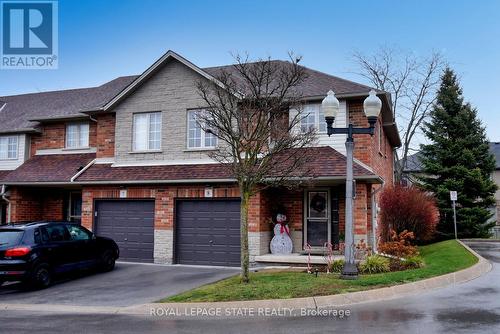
[312,118]
[77,135]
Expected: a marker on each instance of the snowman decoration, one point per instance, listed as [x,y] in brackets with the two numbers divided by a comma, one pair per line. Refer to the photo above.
[281,242]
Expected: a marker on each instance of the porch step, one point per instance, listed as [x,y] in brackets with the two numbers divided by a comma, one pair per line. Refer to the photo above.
[294,258]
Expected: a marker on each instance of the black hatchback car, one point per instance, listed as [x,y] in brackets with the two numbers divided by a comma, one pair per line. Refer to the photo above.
[35,252]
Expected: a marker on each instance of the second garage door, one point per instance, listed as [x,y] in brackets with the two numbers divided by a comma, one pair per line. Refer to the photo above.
[130,223]
[208,232]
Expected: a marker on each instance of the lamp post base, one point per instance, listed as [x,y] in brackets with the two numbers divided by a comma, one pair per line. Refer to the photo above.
[349,271]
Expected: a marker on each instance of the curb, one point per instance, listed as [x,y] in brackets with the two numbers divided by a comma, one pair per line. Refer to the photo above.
[272,307]
[345,299]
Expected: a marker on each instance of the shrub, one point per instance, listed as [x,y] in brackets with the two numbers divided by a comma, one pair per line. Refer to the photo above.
[408,208]
[336,266]
[412,262]
[375,264]
[400,245]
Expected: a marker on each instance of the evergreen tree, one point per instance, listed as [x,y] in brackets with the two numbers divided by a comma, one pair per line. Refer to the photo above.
[458,158]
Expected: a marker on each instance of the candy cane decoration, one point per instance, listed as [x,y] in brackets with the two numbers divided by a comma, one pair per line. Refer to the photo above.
[309,267]
[328,256]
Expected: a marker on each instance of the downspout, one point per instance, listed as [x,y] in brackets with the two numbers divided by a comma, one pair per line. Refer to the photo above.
[80,172]
[4,197]
[374,219]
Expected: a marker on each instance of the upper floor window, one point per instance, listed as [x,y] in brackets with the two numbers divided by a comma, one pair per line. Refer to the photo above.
[77,135]
[198,137]
[312,118]
[147,131]
[8,147]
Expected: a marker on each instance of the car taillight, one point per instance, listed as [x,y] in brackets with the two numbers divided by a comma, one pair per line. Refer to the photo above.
[16,252]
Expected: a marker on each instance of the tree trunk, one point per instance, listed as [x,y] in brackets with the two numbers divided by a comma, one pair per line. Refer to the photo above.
[245,260]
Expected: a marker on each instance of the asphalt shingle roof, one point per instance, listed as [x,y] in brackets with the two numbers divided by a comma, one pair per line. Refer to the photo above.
[17,111]
[49,168]
[325,162]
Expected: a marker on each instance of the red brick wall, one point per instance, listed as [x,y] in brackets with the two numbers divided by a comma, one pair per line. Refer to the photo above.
[105,135]
[164,201]
[53,136]
[28,204]
[366,147]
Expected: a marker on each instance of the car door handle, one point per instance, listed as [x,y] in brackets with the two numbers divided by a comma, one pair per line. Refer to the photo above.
[211,241]
[126,239]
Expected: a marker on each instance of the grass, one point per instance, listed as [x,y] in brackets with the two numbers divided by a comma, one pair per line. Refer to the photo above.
[440,258]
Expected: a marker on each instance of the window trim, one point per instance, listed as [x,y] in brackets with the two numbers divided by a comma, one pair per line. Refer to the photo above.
[203,147]
[17,148]
[148,134]
[78,139]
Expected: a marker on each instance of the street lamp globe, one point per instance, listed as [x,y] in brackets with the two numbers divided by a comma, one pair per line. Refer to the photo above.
[330,106]
[372,106]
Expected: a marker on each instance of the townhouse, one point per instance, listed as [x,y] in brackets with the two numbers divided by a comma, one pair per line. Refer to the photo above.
[128,160]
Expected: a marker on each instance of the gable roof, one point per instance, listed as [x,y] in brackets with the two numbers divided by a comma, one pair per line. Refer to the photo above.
[21,113]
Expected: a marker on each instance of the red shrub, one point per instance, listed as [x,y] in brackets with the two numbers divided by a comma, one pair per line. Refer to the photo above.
[399,245]
[408,208]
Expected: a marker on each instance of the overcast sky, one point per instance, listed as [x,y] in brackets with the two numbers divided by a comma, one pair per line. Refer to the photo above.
[102,39]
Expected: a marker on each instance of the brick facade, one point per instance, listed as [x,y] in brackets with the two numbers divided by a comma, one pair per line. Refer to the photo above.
[105,135]
[380,157]
[53,136]
[31,204]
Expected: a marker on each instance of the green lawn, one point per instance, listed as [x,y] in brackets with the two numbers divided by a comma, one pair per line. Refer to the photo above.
[440,258]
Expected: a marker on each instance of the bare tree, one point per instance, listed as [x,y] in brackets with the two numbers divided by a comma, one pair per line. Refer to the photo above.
[248,108]
[412,82]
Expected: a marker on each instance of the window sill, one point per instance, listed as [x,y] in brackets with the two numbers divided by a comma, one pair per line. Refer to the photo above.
[200,149]
[145,151]
[85,148]
[9,159]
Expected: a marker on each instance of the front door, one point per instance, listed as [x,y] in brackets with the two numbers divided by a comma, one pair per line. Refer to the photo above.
[317,232]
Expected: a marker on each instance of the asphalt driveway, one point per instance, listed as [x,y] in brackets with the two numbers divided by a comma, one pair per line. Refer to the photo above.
[129,284]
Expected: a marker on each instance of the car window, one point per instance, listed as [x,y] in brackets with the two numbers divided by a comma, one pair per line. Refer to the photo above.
[10,237]
[78,233]
[55,233]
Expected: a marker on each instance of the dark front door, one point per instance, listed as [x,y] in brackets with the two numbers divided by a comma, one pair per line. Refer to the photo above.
[130,223]
[208,232]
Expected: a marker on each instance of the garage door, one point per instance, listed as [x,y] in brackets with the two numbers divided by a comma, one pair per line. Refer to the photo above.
[208,232]
[130,224]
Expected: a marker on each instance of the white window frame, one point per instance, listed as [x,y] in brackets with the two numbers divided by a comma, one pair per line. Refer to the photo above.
[148,140]
[319,118]
[80,141]
[203,133]
[7,144]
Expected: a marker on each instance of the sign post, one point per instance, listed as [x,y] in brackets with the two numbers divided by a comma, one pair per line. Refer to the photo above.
[453,197]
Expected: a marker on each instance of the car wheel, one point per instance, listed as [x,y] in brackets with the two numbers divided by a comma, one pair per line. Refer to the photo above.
[41,277]
[108,261]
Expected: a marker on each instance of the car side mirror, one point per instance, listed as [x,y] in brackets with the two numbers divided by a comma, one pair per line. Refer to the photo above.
[94,237]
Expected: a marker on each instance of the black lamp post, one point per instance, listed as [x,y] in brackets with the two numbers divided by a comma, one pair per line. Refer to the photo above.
[330,106]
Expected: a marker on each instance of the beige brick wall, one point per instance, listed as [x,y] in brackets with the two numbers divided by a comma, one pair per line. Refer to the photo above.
[172,91]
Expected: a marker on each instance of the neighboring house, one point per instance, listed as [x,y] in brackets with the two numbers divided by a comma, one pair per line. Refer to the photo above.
[414,168]
[128,160]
